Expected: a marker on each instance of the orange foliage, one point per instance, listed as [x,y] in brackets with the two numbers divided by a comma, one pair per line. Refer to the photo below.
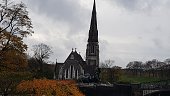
[13,61]
[12,56]
[49,87]
[9,41]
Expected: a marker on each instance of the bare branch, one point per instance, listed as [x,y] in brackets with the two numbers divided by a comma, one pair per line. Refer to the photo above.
[41,53]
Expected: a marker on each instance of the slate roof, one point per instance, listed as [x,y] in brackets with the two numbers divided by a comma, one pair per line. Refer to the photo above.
[76,58]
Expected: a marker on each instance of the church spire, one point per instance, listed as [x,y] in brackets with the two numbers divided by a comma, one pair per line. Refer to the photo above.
[93,32]
[92,51]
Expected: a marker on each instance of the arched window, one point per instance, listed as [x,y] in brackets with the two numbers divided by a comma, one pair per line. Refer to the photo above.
[76,74]
[67,74]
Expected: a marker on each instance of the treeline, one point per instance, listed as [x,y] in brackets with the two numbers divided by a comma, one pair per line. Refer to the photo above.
[151,64]
[152,68]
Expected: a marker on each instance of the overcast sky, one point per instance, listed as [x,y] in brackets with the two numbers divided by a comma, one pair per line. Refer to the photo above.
[129,30]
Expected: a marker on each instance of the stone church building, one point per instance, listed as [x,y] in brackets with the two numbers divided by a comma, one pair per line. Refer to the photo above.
[74,66]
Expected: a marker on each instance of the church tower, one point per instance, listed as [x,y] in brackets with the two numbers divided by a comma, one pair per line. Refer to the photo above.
[74,66]
[92,51]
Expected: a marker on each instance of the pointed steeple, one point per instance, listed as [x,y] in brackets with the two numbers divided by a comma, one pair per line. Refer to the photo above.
[92,51]
[93,32]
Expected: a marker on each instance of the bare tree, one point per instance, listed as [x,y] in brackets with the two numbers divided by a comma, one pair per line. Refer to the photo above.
[135,66]
[42,52]
[107,64]
[109,72]
[167,61]
[130,65]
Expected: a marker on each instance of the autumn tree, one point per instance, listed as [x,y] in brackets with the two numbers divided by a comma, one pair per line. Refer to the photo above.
[42,53]
[14,26]
[13,56]
[40,87]
[12,64]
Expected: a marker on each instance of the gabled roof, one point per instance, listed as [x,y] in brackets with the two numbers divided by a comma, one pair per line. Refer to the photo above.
[74,56]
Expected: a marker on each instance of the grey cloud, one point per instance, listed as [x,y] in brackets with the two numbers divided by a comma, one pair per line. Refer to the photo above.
[139,5]
[130,4]
[103,45]
[69,44]
[158,43]
[60,54]
[68,11]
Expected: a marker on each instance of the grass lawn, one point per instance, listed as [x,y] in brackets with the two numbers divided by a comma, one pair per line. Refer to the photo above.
[137,79]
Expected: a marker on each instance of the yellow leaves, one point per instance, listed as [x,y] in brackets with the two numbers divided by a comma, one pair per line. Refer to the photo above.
[49,87]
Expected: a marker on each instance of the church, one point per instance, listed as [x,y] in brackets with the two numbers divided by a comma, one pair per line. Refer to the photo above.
[74,66]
